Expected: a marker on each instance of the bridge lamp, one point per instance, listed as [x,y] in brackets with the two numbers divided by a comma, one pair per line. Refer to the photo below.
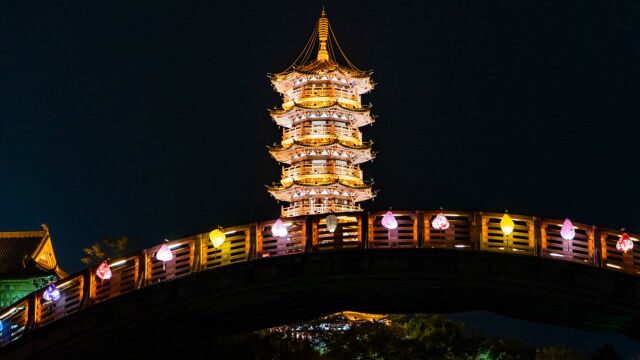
[104,271]
[389,221]
[440,222]
[279,229]
[567,231]
[624,243]
[52,293]
[507,225]
[164,254]
[332,223]
[217,237]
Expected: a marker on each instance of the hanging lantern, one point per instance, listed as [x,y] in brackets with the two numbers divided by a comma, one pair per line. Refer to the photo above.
[332,222]
[52,293]
[389,221]
[440,222]
[104,271]
[567,231]
[278,229]
[164,254]
[217,237]
[507,225]
[624,244]
[1,326]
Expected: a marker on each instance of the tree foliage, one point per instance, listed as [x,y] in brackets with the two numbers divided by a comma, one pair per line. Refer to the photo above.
[105,249]
[404,337]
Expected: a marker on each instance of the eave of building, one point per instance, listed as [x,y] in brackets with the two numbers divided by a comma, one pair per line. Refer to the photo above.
[40,255]
[321,179]
[357,154]
[288,117]
[285,80]
[314,140]
[285,193]
[321,102]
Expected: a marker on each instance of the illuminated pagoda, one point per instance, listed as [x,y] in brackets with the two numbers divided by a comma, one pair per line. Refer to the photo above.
[321,143]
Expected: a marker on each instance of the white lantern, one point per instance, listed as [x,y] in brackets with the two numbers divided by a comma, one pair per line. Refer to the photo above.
[567,231]
[440,222]
[332,223]
[278,229]
[389,221]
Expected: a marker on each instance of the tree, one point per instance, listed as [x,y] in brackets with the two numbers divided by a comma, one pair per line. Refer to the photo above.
[558,352]
[105,249]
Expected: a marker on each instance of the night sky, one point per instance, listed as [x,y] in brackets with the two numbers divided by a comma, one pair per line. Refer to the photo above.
[148,119]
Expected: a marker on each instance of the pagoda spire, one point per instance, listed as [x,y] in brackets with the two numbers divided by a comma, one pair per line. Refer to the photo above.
[323,36]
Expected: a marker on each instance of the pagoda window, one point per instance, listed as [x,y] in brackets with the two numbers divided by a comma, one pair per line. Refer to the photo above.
[340,162]
[319,162]
[318,122]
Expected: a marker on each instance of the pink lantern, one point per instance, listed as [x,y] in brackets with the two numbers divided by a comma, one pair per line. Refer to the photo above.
[104,271]
[164,254]
[389,221]
[278,229]
[440,222]
[624,244]
[567,231]
[52,293]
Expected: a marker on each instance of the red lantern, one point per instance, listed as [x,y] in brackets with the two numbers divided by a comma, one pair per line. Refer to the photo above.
[104,271]
[624,244]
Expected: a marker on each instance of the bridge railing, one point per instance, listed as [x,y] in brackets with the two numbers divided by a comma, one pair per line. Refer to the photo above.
[476,231]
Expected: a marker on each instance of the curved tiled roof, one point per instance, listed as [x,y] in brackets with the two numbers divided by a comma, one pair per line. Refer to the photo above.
[19,251]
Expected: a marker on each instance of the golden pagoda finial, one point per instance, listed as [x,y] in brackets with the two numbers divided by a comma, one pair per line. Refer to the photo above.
[323,36]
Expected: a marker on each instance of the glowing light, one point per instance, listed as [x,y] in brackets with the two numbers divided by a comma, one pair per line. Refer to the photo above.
[1,327]
[217,238]
[104,271]
[278,229]
[52,293]
[117,263]
[557,255]
[460,246]
[614,266]
[164,254]
[440,222]
[507,225]
[332,222]
[624,243]
[567,231]
[389,221]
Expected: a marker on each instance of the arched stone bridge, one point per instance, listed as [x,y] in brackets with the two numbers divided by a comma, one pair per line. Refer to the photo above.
[255,280]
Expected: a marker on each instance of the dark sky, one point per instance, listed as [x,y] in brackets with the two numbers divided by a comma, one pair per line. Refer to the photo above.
[148,118]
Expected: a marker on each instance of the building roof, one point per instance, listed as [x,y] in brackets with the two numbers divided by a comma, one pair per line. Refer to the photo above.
[26,254]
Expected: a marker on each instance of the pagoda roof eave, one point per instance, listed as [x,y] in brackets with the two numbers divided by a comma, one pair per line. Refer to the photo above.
[320,68]
[336,104]
[364,146]
[294,184]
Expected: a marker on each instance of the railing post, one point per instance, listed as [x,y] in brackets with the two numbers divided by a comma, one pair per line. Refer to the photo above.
[253,244]
[597,247]
[309,234]
[476,230]
[537,237]
[364,229]
[420,234]
[31,313]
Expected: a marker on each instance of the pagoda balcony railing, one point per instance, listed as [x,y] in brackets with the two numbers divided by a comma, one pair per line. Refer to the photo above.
[332,130]
[317,208]
[468,231]
[316,169]
[321,92]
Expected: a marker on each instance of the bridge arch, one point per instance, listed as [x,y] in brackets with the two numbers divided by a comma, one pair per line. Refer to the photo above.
[256,280]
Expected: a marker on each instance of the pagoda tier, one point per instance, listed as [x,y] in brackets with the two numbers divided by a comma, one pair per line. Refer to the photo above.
[334,150]
[321,141]
[334,111]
